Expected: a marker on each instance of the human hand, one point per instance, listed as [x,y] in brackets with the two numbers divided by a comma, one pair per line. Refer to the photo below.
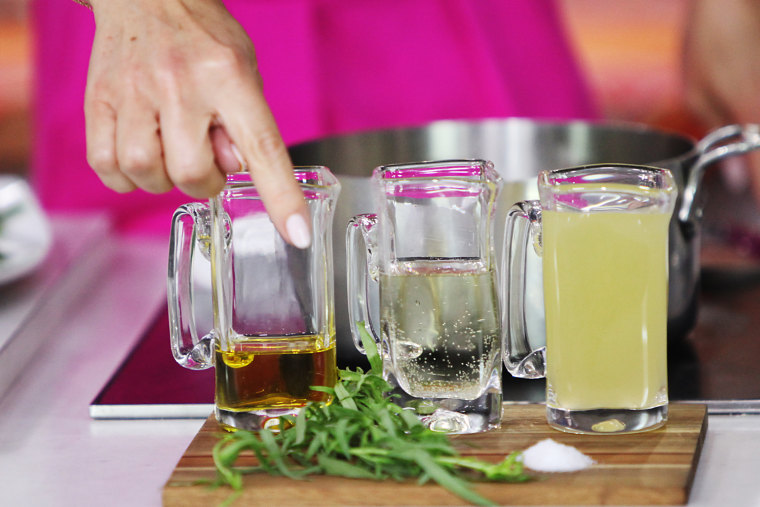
[172,89]
[722,67]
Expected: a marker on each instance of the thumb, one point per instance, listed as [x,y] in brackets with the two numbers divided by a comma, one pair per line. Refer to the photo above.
[226,155]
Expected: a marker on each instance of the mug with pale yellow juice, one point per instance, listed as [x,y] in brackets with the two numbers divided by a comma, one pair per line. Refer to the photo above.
[602,234]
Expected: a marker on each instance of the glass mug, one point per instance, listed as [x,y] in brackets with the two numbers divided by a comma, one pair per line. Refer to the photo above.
[425,261]
[602,233]
[273,305]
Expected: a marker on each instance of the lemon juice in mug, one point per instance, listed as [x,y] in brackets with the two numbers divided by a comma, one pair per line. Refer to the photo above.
[605,297]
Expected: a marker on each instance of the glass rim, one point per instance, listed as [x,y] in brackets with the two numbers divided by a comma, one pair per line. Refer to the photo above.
[663,178]
[311,176]
[476,169]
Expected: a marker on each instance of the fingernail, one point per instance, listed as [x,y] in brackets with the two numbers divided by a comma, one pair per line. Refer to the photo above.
[298,231]
[239,156]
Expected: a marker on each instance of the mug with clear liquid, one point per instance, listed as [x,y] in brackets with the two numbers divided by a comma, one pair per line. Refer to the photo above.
[273,335]
[602,234]
[421,276]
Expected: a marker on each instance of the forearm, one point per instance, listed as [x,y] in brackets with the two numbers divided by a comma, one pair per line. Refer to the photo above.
[721,65]
[722,68]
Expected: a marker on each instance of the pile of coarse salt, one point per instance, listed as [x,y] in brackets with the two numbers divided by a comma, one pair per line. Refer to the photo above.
[551,456]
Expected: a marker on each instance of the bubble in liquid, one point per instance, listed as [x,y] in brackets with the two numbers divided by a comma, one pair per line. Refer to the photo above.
[407,350]
[237,359]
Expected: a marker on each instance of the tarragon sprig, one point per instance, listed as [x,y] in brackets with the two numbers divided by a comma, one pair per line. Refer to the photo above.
[362,434]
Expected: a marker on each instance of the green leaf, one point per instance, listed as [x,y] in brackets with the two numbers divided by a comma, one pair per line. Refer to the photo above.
[340,439]
[344,397]
[269,441]
[300,427]
[323,389]
[410,418]
[511,469]
[370,349]
[342,468]
[230,476]
[454,484]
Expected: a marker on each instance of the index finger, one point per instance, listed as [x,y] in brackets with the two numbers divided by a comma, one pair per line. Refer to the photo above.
[252,128]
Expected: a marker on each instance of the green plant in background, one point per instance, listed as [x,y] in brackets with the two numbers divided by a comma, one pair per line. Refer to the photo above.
[5,214]
[361,435]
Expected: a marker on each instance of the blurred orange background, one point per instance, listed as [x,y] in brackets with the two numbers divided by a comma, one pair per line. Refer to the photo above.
[630,50]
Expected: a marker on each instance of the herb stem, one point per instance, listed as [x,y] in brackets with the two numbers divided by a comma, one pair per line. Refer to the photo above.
[363,435]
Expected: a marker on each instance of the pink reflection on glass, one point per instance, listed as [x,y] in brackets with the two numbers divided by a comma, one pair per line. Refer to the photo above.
[432,172]
[431,192]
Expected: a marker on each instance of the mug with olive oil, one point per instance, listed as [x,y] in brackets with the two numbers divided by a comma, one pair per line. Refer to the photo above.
[604,245]
[273,335]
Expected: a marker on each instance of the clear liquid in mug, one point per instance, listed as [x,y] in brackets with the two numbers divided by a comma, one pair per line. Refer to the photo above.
[441,333]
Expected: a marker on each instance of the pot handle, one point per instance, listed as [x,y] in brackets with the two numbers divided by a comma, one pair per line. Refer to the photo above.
[720,143]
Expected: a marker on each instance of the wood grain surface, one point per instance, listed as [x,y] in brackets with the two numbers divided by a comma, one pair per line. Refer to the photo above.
[653,468]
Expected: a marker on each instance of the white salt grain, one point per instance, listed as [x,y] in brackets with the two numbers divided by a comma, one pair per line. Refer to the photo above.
[550,456]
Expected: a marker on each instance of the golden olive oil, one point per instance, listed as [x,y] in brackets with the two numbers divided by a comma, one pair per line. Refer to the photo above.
[274,372]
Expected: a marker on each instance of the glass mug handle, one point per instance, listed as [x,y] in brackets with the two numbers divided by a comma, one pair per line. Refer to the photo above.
[522,229]
[361,244]
[191,224]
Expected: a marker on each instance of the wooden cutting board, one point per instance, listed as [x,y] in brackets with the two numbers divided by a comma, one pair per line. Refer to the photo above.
[653,468]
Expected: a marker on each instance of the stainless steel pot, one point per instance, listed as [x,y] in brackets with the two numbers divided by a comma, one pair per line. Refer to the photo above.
[520,148]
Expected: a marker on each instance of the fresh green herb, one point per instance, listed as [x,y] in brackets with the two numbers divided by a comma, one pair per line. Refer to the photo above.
[363,435]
